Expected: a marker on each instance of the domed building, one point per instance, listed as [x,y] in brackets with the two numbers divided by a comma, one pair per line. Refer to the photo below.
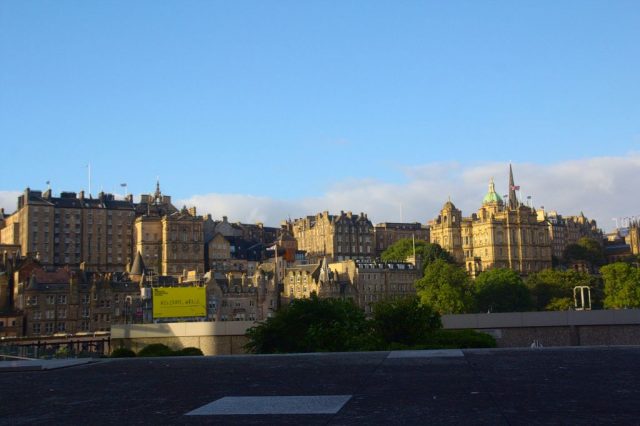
[500,235]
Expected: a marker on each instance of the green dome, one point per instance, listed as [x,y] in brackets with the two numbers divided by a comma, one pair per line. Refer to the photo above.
[492,196]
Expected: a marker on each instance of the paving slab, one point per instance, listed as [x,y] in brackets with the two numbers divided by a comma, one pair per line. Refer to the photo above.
[41,364]
[257,405]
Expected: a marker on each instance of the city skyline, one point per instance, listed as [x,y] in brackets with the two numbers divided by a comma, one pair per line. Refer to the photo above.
[564,189]
[264,111]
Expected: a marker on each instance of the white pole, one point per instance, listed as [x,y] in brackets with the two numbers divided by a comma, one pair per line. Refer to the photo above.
[413,237]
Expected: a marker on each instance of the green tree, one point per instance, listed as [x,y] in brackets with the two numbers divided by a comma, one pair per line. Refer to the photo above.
[552,289]
[427,252]
[403,321]
[446,288]
[312,325]
[501,290]
[621,285]
[587,250]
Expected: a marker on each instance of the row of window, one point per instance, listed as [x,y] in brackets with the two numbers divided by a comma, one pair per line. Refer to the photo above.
[51,327]
[62,299]
[353,249]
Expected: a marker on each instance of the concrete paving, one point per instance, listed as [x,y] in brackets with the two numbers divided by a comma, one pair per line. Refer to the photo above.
[41,364]
[530,386]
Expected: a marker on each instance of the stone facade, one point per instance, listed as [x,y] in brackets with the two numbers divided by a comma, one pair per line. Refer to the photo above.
[65,302]
[302,281]
[338,237]
[564,231]
[499,235]
[73,229]
[372,282]
[388,233]
[236,296]
[633,239]
[170,241]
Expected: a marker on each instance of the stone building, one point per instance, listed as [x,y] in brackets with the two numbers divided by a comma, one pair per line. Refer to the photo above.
[219,248]
[388,233]
[225,240]
[564,231]
[499,235]
[633,239]
[303,280]
[339,237]
[240,297]
[170,241]
[371,282]
[10,319]
[62,301]
[72,229]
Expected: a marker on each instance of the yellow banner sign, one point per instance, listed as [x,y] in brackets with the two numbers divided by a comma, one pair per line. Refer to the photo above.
[179,302]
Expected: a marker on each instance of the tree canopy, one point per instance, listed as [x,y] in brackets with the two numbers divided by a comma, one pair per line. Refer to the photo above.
[587,250]
[446,288]
[404,321]
[312,325]
[321,325]
[621,285]
[403,248]
[501,290]
[553,289]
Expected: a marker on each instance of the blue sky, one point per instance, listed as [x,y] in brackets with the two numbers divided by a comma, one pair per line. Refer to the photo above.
[287,101]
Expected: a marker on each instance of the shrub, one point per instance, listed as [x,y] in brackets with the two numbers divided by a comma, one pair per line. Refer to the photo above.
[501,290]
[156,349]
[312,325]
[122,353]
[189,351]
[62,352]
[404,321]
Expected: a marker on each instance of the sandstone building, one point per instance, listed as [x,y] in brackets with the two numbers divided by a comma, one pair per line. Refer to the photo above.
[388,233]
[633,239]
[364,282]
[500,235]
[67,302]
[170,241]
[564,231]
[339,237]
[371,282]
[72,229]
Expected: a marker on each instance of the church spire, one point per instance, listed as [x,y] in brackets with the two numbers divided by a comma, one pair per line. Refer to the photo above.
[158,194]
[513,200]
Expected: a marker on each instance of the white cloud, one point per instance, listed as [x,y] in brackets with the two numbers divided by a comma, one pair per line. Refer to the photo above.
[9,200]
[601,187]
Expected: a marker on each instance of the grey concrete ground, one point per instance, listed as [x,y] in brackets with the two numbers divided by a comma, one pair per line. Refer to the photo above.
[532,386]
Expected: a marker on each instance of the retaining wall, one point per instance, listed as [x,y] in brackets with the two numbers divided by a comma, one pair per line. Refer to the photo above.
[511,330]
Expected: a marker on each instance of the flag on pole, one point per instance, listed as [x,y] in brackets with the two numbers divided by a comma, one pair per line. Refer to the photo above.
[123,185]
[515,187]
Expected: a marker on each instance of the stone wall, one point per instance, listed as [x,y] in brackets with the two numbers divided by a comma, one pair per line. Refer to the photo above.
[511,330]
[560,328]
[213,338]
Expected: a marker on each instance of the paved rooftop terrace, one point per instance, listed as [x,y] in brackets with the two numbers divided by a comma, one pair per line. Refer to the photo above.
[501,386]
